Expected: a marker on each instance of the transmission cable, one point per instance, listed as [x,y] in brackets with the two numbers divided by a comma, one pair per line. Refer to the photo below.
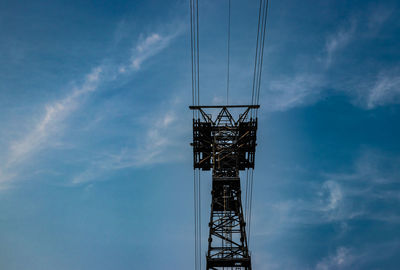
[195,218]
[262,50]
[255,96]
[199,217]
[259,55]
[250,204]
[194,44]
[229,46]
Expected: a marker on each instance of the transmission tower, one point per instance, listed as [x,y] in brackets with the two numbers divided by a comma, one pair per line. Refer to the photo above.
[225,144]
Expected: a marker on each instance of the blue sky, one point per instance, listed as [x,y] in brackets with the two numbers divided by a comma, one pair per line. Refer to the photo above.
[95,161]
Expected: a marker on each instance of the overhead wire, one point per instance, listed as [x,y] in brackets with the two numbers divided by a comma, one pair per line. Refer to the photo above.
[255,98]
[199,217]
[195,219]
[195,60]
[191,51]
[246,196]
[259,55]
[251,184]
[256,56]
[229,48]
[198,53]
[195,51]
[262,51]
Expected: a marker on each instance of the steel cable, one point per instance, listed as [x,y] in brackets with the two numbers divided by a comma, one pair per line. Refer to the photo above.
[229,46]
[194,43]
[259,55]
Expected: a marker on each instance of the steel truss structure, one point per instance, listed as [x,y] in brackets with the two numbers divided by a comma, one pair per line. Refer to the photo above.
[226,145]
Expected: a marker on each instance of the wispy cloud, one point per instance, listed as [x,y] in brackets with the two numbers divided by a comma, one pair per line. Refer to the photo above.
[55,112]
[371,167]
[158,141]
[334,195]
[385,90]
[289,92]
[342,259]
[341,197]
[338,41]
[379,88]
[148,47]
[306,88]
[346,257]
[161,143]
[378,16]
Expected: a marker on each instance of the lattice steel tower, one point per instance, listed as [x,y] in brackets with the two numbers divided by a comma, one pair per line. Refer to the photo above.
[226,145]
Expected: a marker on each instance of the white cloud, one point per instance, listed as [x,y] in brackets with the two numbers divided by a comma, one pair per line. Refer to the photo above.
[371,167]
[158,136]
[339,198]
[367,183]
[149,41]
[385,90]
[290,92]
[55,112]
[148,47]
[49,123]
[342,259]
[372,253]
[304,89]
[338,41]
[334,195]
[159,141]
[374,89]
[378,17]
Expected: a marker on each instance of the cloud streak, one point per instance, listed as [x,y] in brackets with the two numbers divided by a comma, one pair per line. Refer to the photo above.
[160,141]
[55,113]
[342,259]
[290,92]
[305,88]
[50,123]
[148,47]
[385,90]
[338,41]
[359,258]
[341,197]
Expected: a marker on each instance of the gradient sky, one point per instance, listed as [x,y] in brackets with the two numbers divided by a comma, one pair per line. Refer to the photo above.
[95,161]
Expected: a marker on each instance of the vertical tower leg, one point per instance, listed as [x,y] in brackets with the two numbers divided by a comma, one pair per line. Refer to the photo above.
[227,242]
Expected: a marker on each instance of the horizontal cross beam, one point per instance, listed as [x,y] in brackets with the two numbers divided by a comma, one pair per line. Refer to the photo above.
[224,106]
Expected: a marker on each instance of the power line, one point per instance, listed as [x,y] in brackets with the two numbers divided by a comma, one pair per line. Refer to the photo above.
[229,46]
[250,205]
[256,56]
[199,219]
[195,218]
[262,48]
[195,51]
[259,55]
[198,53]
[246,195]
[195,59]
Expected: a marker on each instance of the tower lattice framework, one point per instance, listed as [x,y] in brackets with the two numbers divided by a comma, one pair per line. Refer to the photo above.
[225,145]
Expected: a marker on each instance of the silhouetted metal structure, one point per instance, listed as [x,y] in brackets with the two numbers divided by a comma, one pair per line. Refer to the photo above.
[225,145]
